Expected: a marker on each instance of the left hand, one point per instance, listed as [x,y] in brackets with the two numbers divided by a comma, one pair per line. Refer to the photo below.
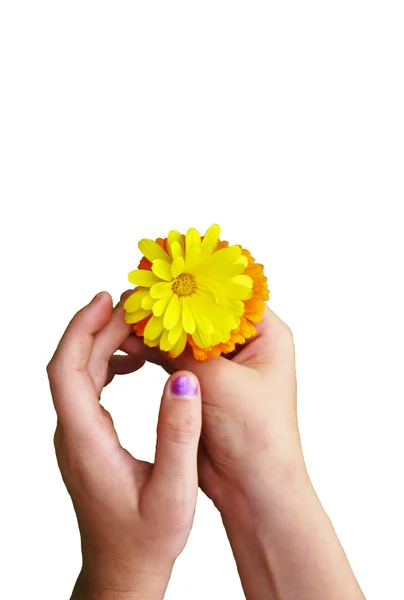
[134,517]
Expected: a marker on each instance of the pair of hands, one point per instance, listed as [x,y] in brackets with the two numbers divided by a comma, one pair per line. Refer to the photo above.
[135,517]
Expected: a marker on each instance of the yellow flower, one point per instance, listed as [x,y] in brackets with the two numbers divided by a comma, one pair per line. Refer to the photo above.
[191,286]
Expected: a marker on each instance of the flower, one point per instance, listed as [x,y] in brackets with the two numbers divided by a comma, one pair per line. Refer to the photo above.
[196,290]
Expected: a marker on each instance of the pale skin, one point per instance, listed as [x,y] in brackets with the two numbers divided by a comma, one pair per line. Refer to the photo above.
[238,434]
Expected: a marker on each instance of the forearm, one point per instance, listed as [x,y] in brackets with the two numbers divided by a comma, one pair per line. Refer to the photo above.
[285,546]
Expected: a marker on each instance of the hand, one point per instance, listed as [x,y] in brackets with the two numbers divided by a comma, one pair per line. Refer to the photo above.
[134,517]
[251,465]
[250,436]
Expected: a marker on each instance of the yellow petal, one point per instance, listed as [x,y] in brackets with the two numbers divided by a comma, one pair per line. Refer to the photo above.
[229,254]
[210,240]
[215,288]
[177,250]
[175,333]
[164,343]
[162,269]
[161,289]
[137,316]
[202,339]
[151,343]
[148,302]
[179,346]
[135,300]
[173,312]
[220,265]
[153,328]
[225,318]
[200,309]
[243,280]
[217,337]
[143,277]
[188,320]
[160,306]
[219,273]
[177,267]
[243,260]
[236,291]
[235,307]
[152,250]
[193,240]
[175,237]
[192,248]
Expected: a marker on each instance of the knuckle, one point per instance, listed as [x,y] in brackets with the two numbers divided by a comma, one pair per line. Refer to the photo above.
[56,371]
[287,335]
[52,369]
[59,368]
[106,417]
[181,431]
[57,439]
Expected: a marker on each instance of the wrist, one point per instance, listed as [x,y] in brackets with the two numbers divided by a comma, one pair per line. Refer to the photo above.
[268,480]
[269,505]
[260,526]
[91,592]
[98,584]
[284,543]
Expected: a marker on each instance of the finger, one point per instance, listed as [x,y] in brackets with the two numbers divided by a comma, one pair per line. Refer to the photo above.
[114,333]
[125,295]
[272,344]
[134,346]
[72,388]
[122,364]
[106,342]
[174,476]
[270,322]
[74,349]
[217,369]
[271,327]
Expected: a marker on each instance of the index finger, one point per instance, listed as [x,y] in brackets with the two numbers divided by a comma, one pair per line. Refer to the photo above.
[74,396]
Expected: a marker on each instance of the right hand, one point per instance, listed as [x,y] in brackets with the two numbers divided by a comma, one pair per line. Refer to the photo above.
[251,465]
[250,436]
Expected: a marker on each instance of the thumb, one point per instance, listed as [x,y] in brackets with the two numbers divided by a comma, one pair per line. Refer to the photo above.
[174,475]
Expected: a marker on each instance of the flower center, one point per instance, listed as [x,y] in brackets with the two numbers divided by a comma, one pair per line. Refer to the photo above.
[184,285]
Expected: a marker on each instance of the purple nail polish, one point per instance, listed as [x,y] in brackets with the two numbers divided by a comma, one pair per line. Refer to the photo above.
[184,386]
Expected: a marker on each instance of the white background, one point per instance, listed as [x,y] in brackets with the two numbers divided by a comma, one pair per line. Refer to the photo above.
[284,123]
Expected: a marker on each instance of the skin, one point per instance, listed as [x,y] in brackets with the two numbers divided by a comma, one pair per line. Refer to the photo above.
[250,463]
[134,517]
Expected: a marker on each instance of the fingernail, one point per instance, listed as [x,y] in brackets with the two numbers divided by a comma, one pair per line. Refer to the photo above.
[184,386]
[96,297]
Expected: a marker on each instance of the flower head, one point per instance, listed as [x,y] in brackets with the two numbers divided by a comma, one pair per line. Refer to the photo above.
[196,290]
